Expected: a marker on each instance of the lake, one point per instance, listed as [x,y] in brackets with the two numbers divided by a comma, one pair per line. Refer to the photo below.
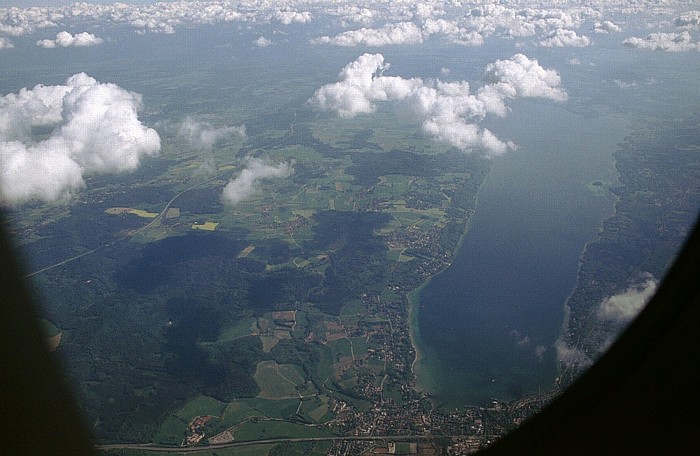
[486,326]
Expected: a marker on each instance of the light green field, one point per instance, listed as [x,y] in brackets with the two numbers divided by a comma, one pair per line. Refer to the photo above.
[316,408]
[275,429]
[278,381]
[272,408]
[172,431]
[199,406]
[340,347]
[353,308]
[240,329]
[238,411]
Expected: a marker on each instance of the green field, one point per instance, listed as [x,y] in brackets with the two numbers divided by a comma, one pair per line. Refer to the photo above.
[278,381]
[259,430]
[201,406]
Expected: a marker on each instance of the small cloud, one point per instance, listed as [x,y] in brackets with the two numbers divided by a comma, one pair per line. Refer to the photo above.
[540,350]
[523,342]
[203,136]
[445,71]
[624,306]
[571,356]
[574,61]
[289,17]
[246,183]
[5,43]
[262,42]
[65,39]
[625,85]
[565,38]
[606,27]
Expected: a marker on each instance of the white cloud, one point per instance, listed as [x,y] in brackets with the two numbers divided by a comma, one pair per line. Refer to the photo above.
[447,110]
[262,42]
[96,131]
[565,38]
[65,39]
[670,42]
[690,19]
[571,356]
[624,85]
[246,183]
[5,43]
[527,77]
[203,136]
[624,306]
[360,84]
[606,27]
[288,17]
[390,34]
[575,61]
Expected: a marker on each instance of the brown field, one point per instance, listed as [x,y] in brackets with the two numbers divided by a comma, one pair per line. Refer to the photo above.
[224,437]
[206,226]
[118,210]
[285,316]
[173,212]
[245,252]
[52,343]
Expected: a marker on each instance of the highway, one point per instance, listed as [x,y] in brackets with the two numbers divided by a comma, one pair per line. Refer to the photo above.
[210,447]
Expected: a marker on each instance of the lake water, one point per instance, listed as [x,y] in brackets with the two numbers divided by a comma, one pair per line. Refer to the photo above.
[487,325]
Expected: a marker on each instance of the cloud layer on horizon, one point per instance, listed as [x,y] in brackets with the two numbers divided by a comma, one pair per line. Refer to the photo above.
[669,42]
[447,111]
[95,130]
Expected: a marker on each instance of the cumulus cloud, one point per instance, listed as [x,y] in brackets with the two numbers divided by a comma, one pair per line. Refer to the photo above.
[624,306]
[670,42]
[526,78]
[624,85]
[247,182]
[96,130]
[65,39]
[262,42]
[203,136]
[5,43]
[390,34]
[606,27]
[289,17]
[690,19]
[565,38]
[447,111]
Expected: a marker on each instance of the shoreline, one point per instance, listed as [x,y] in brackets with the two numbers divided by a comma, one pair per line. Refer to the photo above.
[414,302]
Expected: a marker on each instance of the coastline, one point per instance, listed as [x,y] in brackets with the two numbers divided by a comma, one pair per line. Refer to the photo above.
[612,181]
[414,302]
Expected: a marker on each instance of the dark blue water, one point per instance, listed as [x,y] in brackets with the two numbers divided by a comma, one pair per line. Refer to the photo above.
[487,324]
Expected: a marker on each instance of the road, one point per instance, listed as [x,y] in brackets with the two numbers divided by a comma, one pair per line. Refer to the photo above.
[158,218]
[209,447]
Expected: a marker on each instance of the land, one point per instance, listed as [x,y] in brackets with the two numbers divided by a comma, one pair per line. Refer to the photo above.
[658,204]
[283,324]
